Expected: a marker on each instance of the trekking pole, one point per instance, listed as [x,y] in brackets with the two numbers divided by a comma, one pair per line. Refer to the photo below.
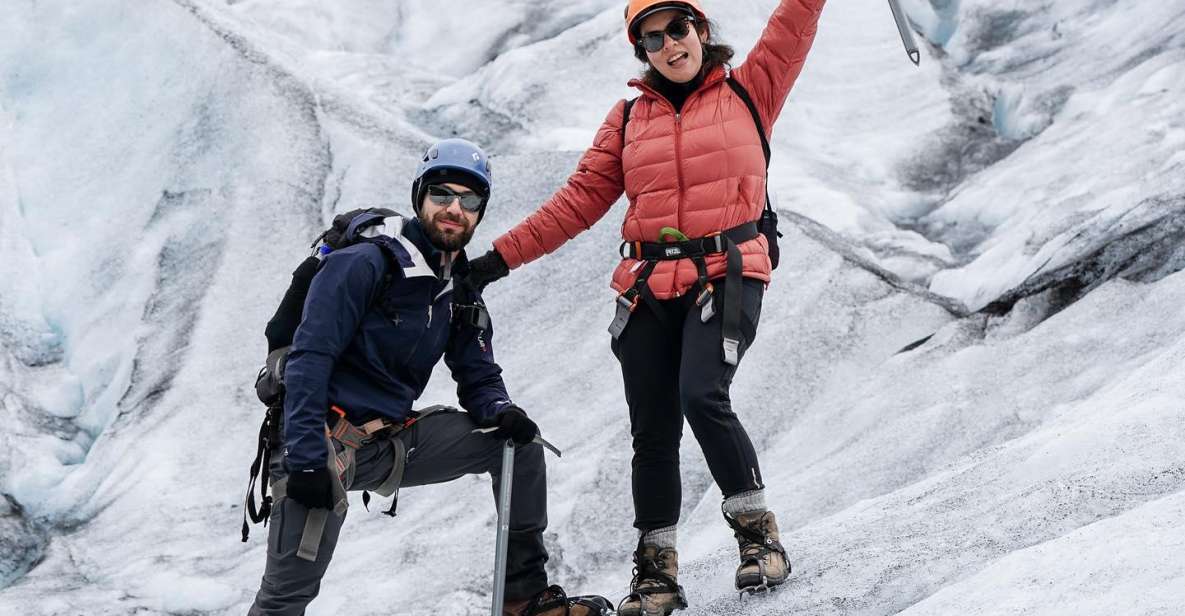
[503,541]
[503,528]
[911,45]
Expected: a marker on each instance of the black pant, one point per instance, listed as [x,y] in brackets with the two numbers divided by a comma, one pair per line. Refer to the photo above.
[674,368]
[440,448]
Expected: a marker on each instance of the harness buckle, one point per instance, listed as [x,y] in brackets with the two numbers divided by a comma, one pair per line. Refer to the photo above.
[732,351]
[705,294]
[631,250]
[705,303]
[473,315]
[375,426]
[625,308]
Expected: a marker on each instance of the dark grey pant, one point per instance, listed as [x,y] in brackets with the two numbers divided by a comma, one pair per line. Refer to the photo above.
[440,448]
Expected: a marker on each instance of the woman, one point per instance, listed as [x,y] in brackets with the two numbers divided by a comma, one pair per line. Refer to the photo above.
[690,160]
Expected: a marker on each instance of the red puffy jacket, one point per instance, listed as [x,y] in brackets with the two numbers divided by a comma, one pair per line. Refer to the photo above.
[700,171]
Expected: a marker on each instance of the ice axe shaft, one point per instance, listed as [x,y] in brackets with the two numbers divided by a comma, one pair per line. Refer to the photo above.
[911,45]
[503,528]
[503,541]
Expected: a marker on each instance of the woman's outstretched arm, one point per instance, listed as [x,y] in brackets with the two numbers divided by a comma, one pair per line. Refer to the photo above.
[588,194]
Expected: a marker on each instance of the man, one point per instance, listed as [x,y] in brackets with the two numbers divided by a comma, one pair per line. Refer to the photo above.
[378,316]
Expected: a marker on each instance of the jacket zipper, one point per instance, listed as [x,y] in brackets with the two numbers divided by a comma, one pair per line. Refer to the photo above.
[679,141]
[679,144]
[679,168]
[448,287]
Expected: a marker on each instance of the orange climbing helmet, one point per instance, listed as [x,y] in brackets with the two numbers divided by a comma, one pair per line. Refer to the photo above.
[637,10]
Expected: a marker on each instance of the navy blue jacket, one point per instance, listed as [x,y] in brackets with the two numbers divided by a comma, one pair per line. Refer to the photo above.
[372,356]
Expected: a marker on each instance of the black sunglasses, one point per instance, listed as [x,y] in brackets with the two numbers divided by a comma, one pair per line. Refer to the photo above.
[677,30]
[443,195]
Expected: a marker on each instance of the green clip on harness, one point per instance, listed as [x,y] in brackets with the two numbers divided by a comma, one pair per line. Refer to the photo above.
[666,232]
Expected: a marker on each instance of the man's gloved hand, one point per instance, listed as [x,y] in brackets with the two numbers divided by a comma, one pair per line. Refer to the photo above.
[514,424]
[485,269]
[313,489]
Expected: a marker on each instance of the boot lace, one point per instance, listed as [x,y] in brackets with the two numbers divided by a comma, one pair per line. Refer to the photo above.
[552,596]
[647,569]
[754,539]
[650,578]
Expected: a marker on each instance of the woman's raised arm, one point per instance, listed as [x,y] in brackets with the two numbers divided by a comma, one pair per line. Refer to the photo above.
[773,65]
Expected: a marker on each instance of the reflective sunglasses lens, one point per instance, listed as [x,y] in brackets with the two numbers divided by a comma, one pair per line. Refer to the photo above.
[440,196]
[471,202]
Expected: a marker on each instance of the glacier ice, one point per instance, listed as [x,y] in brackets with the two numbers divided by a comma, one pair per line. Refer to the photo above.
[1015,202]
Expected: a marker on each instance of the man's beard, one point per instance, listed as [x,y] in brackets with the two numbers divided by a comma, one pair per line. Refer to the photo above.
[450,241]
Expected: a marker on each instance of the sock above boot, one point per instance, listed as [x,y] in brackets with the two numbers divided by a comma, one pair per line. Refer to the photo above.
[662,538]
[745,502]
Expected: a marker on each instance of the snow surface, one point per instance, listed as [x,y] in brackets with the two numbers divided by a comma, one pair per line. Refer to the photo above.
[163,166]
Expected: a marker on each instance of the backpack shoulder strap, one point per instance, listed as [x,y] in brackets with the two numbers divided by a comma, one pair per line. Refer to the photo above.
[625,116]
[391,267]
[401,252]
[744,95]
[369,227]
[366,220]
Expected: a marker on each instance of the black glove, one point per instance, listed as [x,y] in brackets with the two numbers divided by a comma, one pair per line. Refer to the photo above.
[486,269]
[313,489]
[514,424]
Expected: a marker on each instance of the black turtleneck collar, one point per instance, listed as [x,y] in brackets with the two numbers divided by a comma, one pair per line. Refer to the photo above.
[677,93]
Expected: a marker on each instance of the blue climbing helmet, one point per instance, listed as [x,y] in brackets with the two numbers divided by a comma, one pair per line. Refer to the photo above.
[455,161]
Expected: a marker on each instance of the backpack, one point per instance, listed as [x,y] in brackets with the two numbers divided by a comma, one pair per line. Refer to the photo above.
[348,229]
[768,224]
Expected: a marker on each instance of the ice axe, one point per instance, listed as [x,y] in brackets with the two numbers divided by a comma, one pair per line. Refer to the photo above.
[911,45]
[504,516]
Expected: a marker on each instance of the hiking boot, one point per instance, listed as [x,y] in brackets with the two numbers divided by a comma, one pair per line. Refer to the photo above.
[553,601]
[654,591]
[763,559]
